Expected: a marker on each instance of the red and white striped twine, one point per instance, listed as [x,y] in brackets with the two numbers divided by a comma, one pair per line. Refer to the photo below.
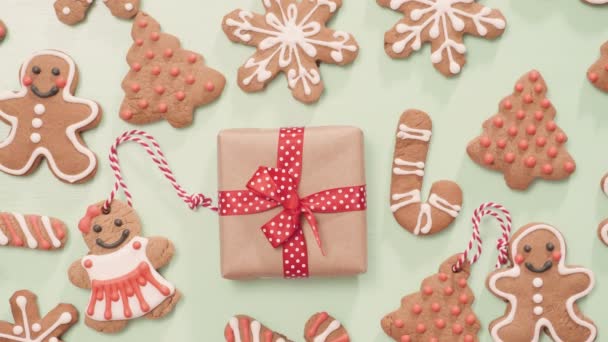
[149,143]
[502,215]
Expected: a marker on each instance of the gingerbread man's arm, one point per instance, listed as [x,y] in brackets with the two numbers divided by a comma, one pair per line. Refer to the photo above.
[78,112]
[79,276]
[576,282]
[503,282]
[160,251]
[11,107]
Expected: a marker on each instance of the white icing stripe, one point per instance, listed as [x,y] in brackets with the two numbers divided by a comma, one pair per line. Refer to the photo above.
[256,327]
[543,322]
[402,172]
[406,132]
[234,325]
[46,223]
[424,216]
[333,326]
[70,130]
[31,241]
[443,205]
[412,197]
[3,238]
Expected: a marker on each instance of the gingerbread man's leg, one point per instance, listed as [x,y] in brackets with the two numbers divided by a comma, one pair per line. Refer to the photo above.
[165,307]
[568,329]
[72,163]
[521,329]
[15,156]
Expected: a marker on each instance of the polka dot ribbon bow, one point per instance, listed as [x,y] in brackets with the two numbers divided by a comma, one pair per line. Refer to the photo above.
[272,187]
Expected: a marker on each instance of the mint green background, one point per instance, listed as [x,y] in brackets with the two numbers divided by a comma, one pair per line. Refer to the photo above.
[561,38]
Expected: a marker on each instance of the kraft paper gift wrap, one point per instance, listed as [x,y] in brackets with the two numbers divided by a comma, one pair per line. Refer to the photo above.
[333,157]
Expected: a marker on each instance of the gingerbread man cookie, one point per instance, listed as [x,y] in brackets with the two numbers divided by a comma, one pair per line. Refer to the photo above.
[541,290]
[28,326]
[121,269]
[411,149]
[292,37]
[32,231]
[46,120]
[72,12]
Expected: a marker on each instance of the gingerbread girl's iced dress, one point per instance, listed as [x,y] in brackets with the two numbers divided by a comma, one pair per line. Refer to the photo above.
[125,285]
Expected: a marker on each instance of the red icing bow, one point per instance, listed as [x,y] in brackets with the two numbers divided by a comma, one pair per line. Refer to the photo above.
[273,187]
[85,223]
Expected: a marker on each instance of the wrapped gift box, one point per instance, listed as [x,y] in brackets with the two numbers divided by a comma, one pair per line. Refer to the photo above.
[271,181]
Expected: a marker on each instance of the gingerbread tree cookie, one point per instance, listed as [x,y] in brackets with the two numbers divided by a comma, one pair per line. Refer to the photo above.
[541,290]
[165,81]
[28,326]
[443,24]
[72,12]
[522,140]
[291,37]
[441,311]
[598,72]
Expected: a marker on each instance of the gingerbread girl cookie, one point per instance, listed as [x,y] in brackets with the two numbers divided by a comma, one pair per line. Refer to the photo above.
[291,37]
[32,231]
[46,120]
[72,12]
[411,149]
[120,269]
[541,290]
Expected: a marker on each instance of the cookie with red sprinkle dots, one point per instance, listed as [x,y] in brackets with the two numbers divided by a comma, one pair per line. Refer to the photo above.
[165,81]
[522,140]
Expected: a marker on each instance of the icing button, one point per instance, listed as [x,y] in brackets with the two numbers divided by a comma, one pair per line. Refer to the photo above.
[537,298]
[35,138]
[538,310]
[537,282]
[39,109]
[136,245]
[36,123]
[88,263]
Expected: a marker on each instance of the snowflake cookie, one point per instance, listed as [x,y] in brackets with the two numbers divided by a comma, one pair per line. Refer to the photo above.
[30,327]
[443,23]
[291,37]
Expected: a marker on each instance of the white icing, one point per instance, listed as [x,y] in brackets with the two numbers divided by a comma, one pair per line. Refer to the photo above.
[35,138]
[36,123]
[21,301]
[604,233]
[66,10]
[542,322]
[333,326]
[538,310]
[118,264]
[129,6]
[3,238]
[39,109]
[234,325]
[424,216]
[402,172]
[411,198]
[256,327]
[46,223]
[444,16]
[29,238]
[537,298]
[406,132]
[537,282]
[70,131]
[443,205]
[291,37]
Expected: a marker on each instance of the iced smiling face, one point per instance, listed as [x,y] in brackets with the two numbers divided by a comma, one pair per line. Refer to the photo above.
[106,233]
[538,251]
[46,75]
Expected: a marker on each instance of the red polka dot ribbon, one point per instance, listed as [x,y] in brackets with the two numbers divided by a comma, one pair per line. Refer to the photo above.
[272,187]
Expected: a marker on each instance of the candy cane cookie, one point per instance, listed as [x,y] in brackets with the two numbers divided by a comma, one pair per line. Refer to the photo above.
[321,327]
[411,149]
[31,231]
[241,328]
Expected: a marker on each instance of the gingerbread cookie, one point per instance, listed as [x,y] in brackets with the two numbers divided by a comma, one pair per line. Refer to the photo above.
[598,72]
[165,81]
[441,311]
[411,149]
[321,327]
[3,30]
[291,37]
[120,269]
[28,326]
[602,229]
[72,12]
[522,140]
[32,231]
[443,24]
[596,2]
[245,328]
[46,120]
[541,290]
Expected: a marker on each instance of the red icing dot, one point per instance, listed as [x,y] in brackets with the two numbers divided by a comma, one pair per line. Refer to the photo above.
[150,54]
[174,72]
[433,339]
[162,107]
[498,122]
[156,71]
[427,290]
[533,76]
[519,259]
[545,103]
[457,329]
[455,311]
[142,23]
[462,283]
[523,144]
[547,169]
[463,299]
[520,114]
[190,79]
[538,88]
[593,77]
[135,87]
[507,105]
[561,138]
[139,42]
[512,131]
[192,58]
[531,130]
[126,114]
[27,81]
[443,277]
[468,338]
[551,126]
[210,86]
[538,115]
[168,53]
[136,67]
[519,87]
[530,162]
[439,323]
[552,152]
[541,141]
[606,67]
[155,36]
[88,263]
[180,95]
[488,159]
[557,256]
[528,98]
[509,157]
[417,309]
[471,319]
[136,245]
[569,167]
[143,104]
[399,323]
[448,290]
[2,32]
[501,143]
[485,142]
[159,89]
[405,338]
[61,82]
[420,328]
[435,307]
